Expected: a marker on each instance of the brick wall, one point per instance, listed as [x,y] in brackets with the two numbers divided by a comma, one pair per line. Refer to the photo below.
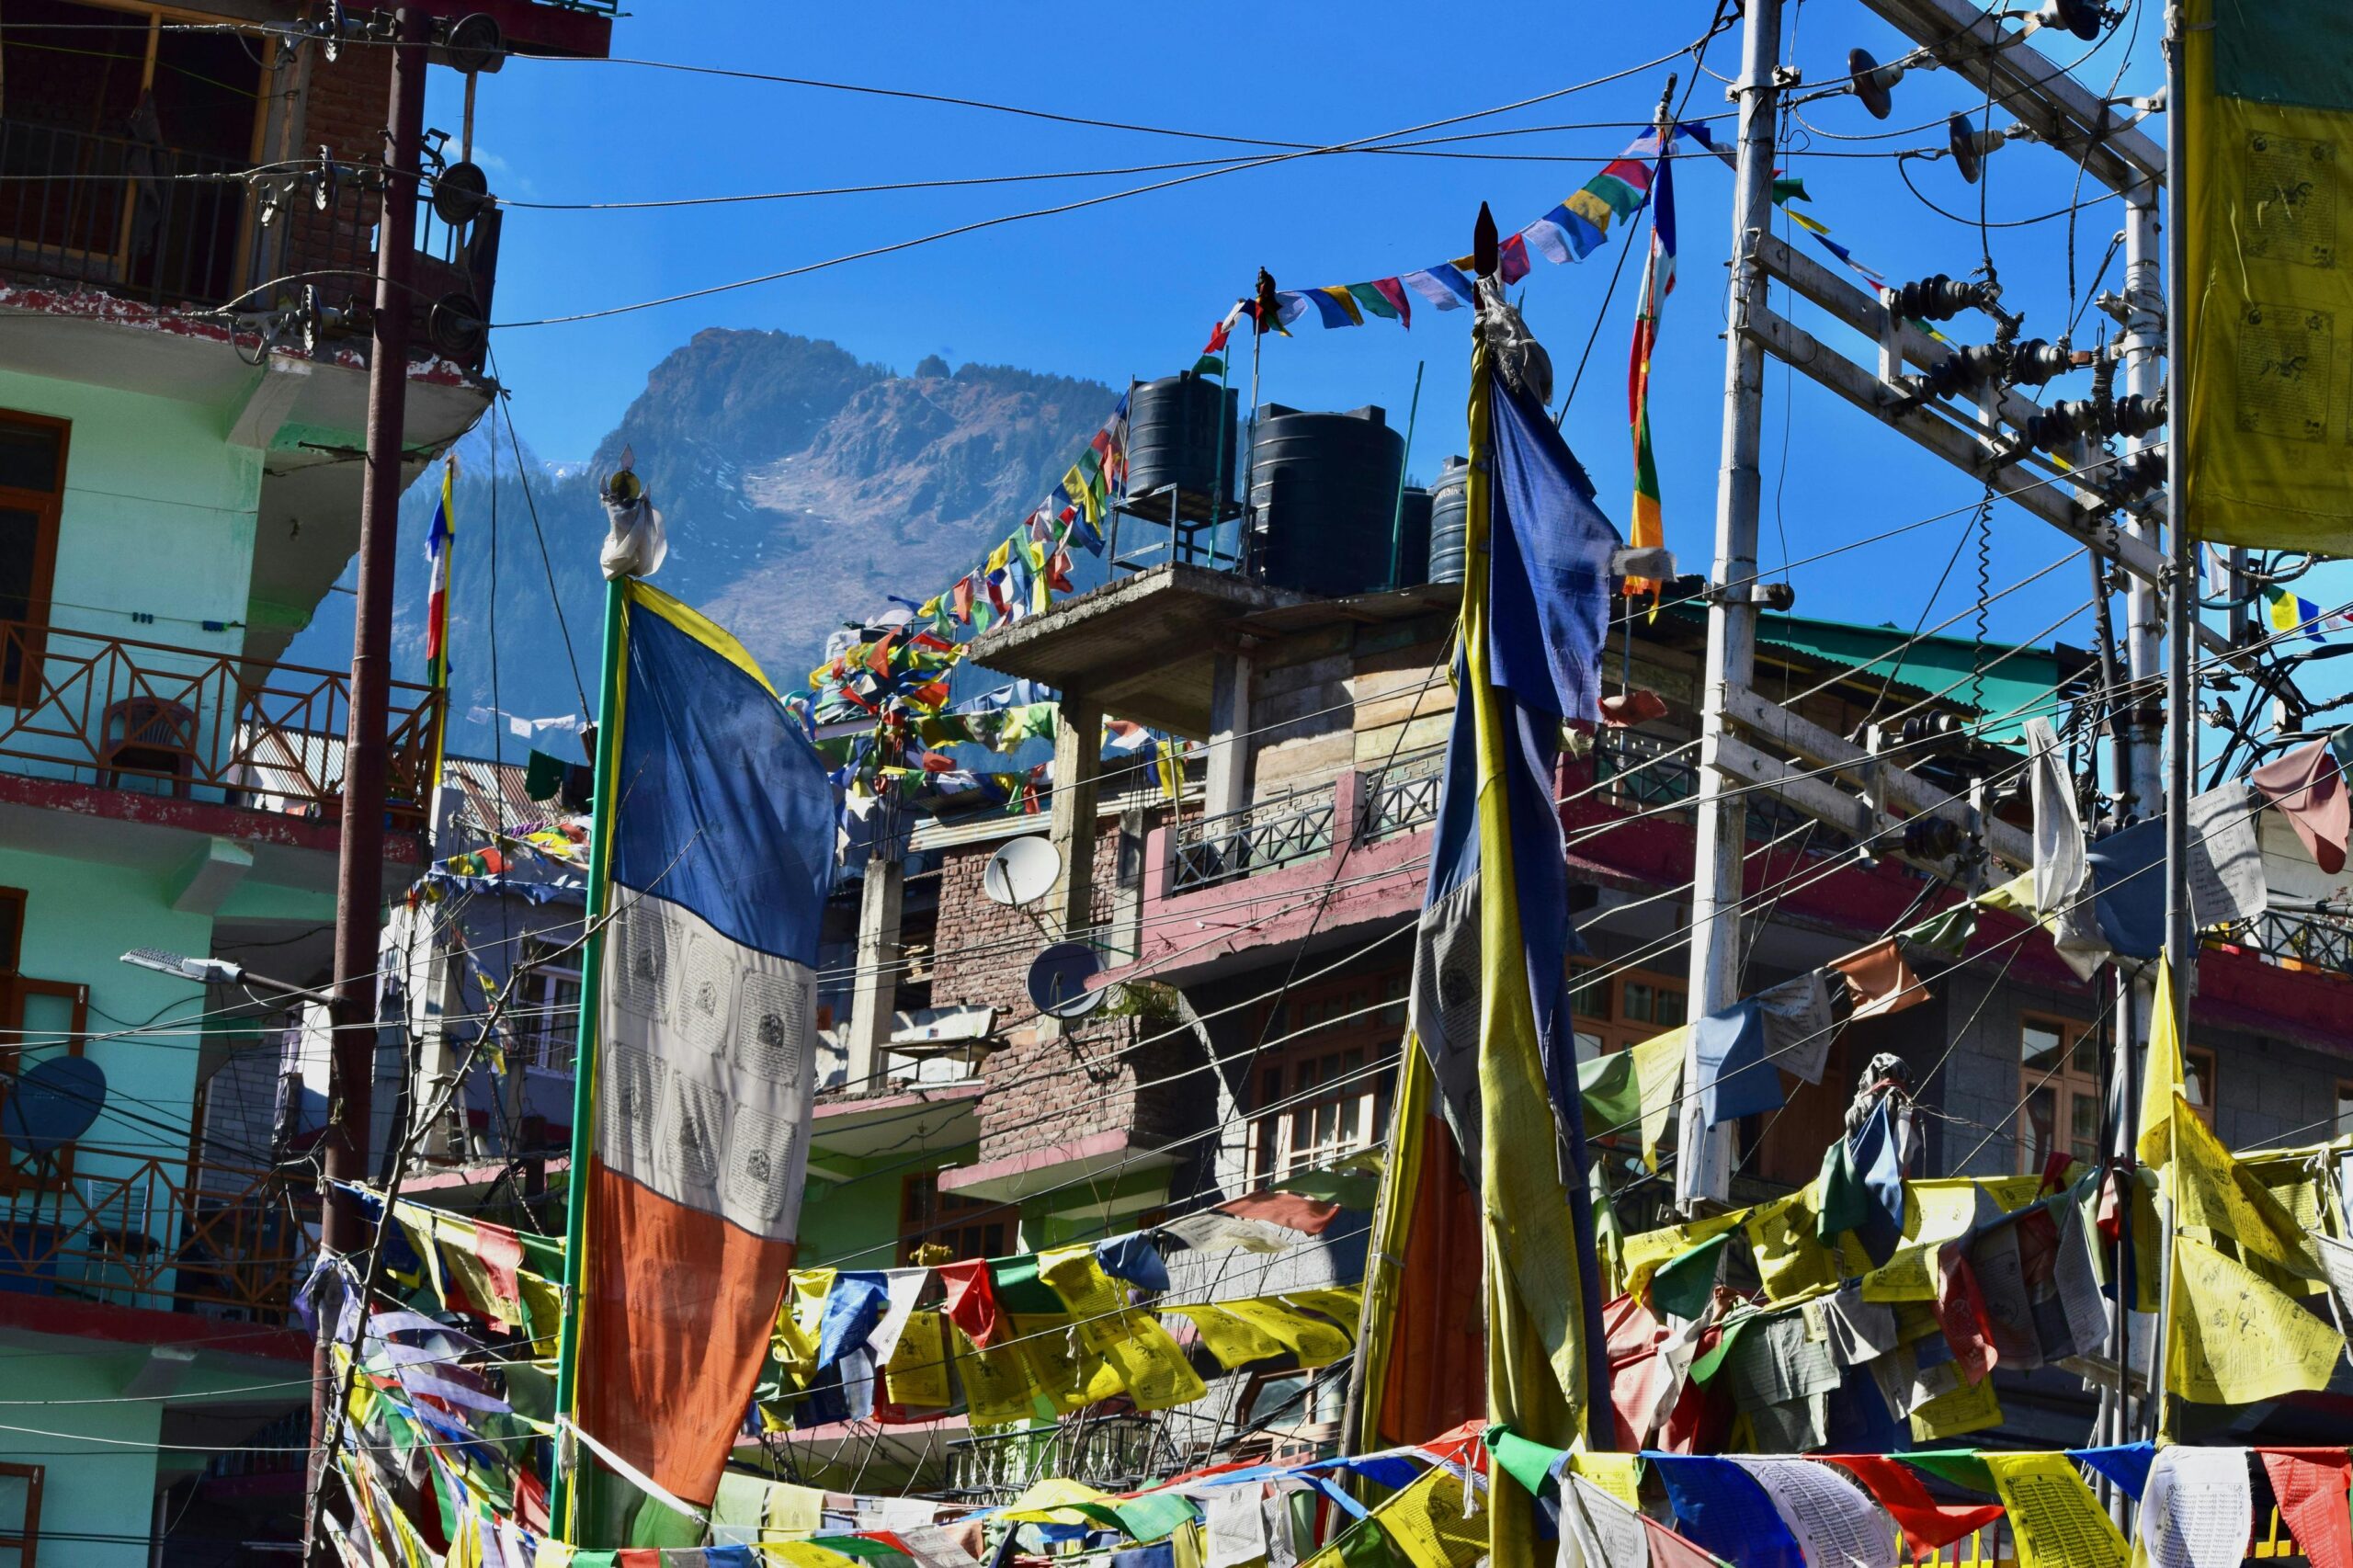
[1075,1084]
[344,108]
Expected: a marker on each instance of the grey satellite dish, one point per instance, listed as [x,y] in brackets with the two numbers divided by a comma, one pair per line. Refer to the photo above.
[1022,872]
[1058,980]
[51,1104]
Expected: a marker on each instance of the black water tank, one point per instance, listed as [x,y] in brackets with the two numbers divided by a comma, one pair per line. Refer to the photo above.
[1174,426]
[1449,516]
[1325,489]
[1413,540]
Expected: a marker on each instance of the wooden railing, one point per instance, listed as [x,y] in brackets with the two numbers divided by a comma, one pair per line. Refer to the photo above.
[194,725]
[138,1229]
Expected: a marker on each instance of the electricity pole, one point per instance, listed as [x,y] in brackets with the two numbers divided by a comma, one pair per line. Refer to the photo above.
[1704,1167]
[359,871]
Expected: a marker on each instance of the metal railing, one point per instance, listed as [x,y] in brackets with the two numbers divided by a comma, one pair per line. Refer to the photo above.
[170,227]
[140,219]
[192,724]
[2323,941]
[1403,795]
[1112,1450]
[1209,851]
[136,1229]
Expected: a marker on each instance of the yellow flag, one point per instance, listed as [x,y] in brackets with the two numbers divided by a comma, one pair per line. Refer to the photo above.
[997,1385]
[2163,1074]
[1058,1500]
[916,1374]
[2209,1194]
[1646,1251]
[1233,1341]
[1620,1475]
[799,1318]
[1658,1074]
[2055,1518]
[1152,1368]
[1313,1341]
[1789,1256]
[1428,1523]
[2235,1339]
[551,1554]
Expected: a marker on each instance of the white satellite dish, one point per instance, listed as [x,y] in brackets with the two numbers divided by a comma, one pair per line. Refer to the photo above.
[1022,872]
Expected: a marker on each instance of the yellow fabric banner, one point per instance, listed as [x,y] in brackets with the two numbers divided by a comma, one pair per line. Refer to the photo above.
[1230,1340]
[797,1318]
[1647,1250]
[2053,1516]
[1313,1341]
[998,1388]
[2161,1075]
[1152,1370]
[916,1378]
[1426,1522]
[2209,1194]
[2266,120]
[1620,1475]
[1658,1074]
[2235,1339]
[1790,1258]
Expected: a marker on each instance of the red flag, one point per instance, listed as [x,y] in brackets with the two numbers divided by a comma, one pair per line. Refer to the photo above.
[972,1299]
[1929,1526]
[1961,1308]
[2311,1485]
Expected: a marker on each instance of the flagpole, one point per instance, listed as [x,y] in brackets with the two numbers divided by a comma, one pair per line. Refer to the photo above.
[583,1058]
[440,631]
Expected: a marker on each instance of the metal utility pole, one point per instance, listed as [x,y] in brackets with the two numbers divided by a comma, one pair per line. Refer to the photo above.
[359,872]
[1704,1168]
[2181,709]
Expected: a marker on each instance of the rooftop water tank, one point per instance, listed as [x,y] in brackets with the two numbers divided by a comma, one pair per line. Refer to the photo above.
[1413,554]
[1450,518]
[1180,434]
[1325,492]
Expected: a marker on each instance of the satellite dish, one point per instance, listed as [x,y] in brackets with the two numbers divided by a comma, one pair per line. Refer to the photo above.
[1058,980]
[1022,872]
[52,1103]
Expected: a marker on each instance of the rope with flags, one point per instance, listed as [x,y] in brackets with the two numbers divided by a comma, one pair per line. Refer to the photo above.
[1649,530]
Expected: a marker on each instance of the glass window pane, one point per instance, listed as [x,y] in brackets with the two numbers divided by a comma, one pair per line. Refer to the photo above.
[1590,1045]
[2086,1056]
[19,542]
[2038,1128]
[1670,1008]
[2083,1128]
[1641,1002]
[28,457]
[2038,1048]
[1589,999]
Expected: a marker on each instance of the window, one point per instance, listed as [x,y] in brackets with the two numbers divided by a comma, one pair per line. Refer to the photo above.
[2198,1082]
[1613,1011]
[32,491]
[2060,1068]
[19,1514]
[546,1005]
[966,1227]
[2343,1106]
[1327,1073]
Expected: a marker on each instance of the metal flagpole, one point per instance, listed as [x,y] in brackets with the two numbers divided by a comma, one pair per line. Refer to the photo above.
[583,1058]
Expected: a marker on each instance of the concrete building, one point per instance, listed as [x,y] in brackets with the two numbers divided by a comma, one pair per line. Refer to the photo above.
[179,487]
[1266,931]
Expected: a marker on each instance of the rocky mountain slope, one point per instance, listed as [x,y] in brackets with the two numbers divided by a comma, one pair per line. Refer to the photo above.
[799,486]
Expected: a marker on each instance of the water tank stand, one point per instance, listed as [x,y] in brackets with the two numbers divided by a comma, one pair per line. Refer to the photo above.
[1191,520]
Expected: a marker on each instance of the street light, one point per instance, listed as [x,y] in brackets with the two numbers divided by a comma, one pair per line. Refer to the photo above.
[212,971]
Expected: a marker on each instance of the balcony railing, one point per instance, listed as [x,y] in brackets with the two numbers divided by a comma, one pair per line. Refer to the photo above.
[193,726]
[1112,1450]
[1403,795]
[1209,851]
[170,227]
[2318,941]
[136,1229]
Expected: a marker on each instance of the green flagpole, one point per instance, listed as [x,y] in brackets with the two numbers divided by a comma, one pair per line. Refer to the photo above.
[584,1059]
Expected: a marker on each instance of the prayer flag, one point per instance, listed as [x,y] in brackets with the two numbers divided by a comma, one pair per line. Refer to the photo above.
[2236,1338]
[2053,1516]
[438,538]
[2311,1486]
[2264,110]
[1649,530]
[2286,612]
[720,861]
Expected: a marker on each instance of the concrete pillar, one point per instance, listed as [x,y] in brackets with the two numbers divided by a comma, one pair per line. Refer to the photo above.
[875,996]
[1078,758]
[1226,784]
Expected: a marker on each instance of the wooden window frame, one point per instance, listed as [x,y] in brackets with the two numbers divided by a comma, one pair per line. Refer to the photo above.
[929,1215]
[26,1538]
[1616,1024]
[542,987]
[1359,1016]
[48,508]
[2344,1122]
[2064,1083]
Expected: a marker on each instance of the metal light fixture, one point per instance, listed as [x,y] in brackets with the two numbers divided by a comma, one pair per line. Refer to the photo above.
[219,972]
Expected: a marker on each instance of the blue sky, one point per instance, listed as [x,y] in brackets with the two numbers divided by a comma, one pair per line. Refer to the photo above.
[1129,287]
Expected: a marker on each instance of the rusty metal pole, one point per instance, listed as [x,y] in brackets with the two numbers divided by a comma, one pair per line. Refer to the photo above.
[359,872]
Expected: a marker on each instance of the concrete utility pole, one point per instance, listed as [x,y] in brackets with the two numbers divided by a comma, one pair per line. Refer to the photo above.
[1704,1166]
[880,901]
[359,874]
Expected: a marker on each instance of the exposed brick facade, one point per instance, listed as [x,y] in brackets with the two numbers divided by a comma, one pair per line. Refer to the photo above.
[1047,1092]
